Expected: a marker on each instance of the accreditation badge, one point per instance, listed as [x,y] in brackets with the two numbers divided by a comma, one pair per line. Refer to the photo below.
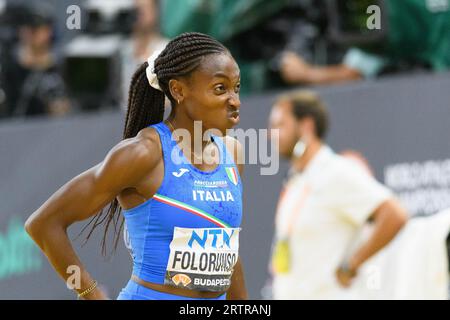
[281,258]
[202,259]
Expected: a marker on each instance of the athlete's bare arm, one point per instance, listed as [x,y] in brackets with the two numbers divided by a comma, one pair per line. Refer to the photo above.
[237,290]
[85,195]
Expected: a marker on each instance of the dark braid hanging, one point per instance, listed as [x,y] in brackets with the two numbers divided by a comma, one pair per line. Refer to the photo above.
[180,57]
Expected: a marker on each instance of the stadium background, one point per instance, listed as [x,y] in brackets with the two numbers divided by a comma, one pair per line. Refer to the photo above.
[398,119]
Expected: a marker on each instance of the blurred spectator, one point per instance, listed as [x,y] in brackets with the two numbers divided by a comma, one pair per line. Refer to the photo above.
[145,39]
[358,159]
[31,79]
[325,202]
[418,37]
[250,29]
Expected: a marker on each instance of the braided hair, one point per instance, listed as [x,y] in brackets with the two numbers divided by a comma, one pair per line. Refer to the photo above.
[181,57]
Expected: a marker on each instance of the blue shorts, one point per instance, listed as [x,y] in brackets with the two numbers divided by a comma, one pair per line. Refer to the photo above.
[135,291]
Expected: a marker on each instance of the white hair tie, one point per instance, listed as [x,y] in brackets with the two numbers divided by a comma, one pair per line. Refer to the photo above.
[151,75]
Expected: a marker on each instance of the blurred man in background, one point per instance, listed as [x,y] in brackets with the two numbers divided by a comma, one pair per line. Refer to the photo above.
[324,204]
[31,79]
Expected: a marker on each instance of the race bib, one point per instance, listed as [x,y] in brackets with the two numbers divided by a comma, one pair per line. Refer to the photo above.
[202,259]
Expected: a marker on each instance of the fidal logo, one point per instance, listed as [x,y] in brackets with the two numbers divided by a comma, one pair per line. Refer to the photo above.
[18,253]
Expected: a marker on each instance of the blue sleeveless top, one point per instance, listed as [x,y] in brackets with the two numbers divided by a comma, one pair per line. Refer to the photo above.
[187,198]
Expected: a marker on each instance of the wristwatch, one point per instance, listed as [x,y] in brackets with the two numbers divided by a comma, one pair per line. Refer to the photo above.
[345,268]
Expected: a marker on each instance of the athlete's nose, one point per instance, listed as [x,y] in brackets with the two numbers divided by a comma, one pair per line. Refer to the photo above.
[234,101]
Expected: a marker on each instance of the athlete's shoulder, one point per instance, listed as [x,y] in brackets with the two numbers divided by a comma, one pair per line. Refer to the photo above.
[140,153]
[149,140]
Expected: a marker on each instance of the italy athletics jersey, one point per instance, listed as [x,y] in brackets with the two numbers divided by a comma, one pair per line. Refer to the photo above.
[187,234]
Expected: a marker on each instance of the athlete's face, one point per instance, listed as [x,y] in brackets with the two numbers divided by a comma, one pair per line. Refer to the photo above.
[282,118]
[212,94]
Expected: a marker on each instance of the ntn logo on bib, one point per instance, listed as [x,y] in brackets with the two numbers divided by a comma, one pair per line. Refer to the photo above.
[212,238]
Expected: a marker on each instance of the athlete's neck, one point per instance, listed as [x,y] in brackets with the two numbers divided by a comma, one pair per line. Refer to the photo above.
[195,144]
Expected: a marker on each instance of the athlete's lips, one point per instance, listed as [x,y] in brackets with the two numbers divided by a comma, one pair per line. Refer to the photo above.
[234,116]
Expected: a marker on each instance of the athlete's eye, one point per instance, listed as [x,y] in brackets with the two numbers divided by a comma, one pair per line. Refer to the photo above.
[220,88]
[237,89]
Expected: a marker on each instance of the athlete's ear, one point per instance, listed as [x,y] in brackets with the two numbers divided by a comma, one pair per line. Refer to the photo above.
[178,90]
